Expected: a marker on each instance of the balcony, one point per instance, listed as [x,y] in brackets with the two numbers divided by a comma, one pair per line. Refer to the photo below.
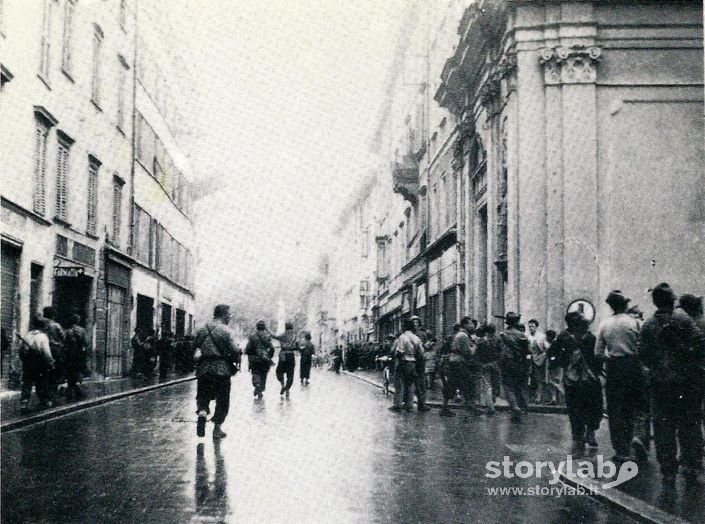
[405,177]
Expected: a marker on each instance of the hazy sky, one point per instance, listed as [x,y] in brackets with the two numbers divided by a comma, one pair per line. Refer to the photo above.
[287,95]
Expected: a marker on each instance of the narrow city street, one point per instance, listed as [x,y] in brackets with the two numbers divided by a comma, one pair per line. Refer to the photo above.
[331,453]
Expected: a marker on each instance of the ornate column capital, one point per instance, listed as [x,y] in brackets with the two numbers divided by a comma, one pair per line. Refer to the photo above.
[570,65]
[501,78]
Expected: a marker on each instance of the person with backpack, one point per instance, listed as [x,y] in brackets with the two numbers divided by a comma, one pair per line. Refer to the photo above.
[217,359]
[37,364]
[673,348]
[625,388]
[75,353]
[259,351]
[582,386]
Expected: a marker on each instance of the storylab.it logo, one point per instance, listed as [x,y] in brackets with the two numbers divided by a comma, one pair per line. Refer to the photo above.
[605,471]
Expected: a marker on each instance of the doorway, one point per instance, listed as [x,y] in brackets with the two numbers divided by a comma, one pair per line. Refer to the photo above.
[72,295]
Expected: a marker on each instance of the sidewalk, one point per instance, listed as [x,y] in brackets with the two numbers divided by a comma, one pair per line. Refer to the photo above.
[95,392]
[642,498]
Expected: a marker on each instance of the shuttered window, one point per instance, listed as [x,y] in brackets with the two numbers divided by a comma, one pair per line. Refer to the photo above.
[96,65]
[121,97]
[39,178]
[117,210]
[93,167]
[67,50]
[45,41]
[62,174]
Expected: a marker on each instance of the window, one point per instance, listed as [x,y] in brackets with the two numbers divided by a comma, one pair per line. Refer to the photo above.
[41,134]
[143,234]
[122,79]
[96,65]
[66,53]
[117,208]
[45,41]
[93,167]
[62,176]
[123,15]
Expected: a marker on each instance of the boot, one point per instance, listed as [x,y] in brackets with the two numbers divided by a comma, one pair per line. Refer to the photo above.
[590,438]
[201,424]
[640,452]
[24,407]
[218,432]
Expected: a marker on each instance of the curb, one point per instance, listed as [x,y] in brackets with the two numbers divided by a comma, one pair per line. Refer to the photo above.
[51,414]
[631,506]
[559,410]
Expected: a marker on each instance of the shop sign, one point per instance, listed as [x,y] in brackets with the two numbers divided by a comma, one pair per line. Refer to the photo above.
[69,271]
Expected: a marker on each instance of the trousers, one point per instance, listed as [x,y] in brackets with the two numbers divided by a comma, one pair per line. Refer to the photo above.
[514,384]
[627,403]
[213,387]
[677,416]
[259,377]
[404,379]
[286,367]
[305,371]
[584,403]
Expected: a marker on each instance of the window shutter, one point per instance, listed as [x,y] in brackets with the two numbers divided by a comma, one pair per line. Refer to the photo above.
[40,145]
[92,198]
[117,208]
[62,173]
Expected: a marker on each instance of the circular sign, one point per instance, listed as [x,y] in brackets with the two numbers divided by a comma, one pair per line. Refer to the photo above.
[584,307]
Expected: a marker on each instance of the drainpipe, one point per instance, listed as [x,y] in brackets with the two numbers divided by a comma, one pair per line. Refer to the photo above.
[133,146]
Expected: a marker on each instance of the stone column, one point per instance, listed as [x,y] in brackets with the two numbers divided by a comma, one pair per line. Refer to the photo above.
[571,161]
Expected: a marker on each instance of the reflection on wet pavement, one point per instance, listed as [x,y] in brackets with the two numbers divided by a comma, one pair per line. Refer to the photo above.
[332,453]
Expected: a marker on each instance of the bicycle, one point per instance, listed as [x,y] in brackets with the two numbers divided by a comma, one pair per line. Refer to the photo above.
[386,372]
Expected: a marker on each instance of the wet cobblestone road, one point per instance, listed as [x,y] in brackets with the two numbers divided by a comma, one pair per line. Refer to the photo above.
[331,453]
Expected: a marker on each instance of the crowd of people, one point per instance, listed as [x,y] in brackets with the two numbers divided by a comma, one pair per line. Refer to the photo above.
[161,353]
[53,359]
[651,373]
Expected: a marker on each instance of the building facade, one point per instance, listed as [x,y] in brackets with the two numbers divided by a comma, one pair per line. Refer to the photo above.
[68,174]
[534,154]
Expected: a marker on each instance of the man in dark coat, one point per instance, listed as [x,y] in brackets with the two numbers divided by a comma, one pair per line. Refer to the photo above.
[217,359]
[514,352]
[259,351]
[75,356]
[583,389]
[672,348]
[307,352]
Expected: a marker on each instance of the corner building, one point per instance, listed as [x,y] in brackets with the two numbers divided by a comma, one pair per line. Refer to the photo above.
[579,152]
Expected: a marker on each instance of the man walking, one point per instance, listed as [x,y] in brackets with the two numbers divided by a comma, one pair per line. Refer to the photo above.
[488,356]
[420,380]
[259,352]
[37,363]
[514,351]
[627,402]
[56,343]
[76,351]
[456,367]
[672,347]
[287,358]
[406,348]
[307,352]
[217,359]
